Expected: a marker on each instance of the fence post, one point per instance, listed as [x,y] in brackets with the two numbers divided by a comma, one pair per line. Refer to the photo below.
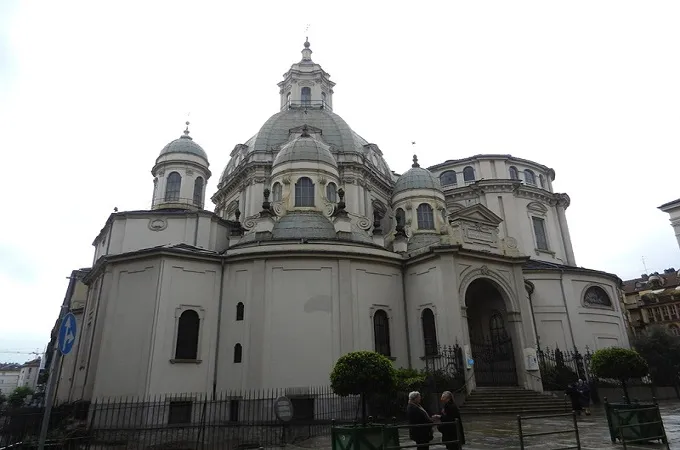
[578,436]
[519,427]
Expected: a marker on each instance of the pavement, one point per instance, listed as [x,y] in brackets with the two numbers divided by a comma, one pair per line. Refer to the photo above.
[501,432]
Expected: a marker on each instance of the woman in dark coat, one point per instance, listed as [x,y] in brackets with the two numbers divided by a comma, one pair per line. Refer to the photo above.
[450,412]
[417,415]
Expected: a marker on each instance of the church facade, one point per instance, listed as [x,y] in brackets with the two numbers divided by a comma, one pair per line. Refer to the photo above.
[316,248]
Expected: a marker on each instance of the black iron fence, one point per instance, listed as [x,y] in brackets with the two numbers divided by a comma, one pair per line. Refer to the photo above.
[559,368]
[237,419]
[445,368]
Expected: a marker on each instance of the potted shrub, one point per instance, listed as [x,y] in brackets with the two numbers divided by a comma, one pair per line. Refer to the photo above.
[641,421]
[363,373]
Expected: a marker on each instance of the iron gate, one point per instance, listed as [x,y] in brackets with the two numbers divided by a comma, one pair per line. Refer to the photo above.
[494,361]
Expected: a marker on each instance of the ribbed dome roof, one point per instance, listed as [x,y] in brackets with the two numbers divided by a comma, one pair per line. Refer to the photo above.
[416,178]
[305,148]
[184,144]
[276,132]
[303,224]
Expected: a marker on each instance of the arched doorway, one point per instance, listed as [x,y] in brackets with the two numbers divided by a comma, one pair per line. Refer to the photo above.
[490,339]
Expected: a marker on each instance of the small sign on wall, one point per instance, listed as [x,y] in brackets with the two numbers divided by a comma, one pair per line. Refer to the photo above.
[530,359]
[468,357]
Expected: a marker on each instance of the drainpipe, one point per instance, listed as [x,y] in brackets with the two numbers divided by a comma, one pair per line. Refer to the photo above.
[403,296]
[217,334]
[529,286]
[566,308]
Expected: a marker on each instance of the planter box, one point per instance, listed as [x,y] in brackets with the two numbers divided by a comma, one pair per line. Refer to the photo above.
[370,437]
[642,421]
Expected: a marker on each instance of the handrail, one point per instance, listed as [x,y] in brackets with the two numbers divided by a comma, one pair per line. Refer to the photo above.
[550,433]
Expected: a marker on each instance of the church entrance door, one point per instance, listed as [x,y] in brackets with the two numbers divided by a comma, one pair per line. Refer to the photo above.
[491,344]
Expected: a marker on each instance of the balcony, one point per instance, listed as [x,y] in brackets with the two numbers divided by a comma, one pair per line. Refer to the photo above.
[306,105]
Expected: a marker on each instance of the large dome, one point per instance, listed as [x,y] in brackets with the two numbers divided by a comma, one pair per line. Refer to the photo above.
[277,129]
[184,145]
[305,148]
[416,178]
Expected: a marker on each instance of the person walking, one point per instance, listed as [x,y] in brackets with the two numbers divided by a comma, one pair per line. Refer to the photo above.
[584,395]
[574,395]
[449,414]
[416,414]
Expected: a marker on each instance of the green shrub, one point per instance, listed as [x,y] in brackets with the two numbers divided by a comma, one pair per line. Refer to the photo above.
[619,363]
[363,373]
[18,396]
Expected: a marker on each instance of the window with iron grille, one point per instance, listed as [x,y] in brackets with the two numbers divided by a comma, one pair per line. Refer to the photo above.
[429,332]
[173,186]
[304,192]
[381,331]
[179,412]
[425,217]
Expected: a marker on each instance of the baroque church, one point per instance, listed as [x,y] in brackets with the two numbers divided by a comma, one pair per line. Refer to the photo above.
[315,248]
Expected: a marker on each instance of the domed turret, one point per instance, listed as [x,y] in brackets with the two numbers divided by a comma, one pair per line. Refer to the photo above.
[419,202]
[304,148]
[416,178]
[180,175]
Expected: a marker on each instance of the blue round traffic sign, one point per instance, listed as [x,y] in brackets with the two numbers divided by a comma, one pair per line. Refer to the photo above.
[67,334]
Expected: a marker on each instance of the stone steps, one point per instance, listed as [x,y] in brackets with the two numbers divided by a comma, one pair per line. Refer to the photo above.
[512,400]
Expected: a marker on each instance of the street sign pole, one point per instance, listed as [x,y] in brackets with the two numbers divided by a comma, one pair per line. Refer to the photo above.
[49,396]
[65,341]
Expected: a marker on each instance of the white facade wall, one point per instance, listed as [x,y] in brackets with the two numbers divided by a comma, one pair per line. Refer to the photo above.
[9,380]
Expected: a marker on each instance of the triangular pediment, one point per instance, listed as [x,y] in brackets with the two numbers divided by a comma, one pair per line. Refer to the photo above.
[310,130]
[476,213]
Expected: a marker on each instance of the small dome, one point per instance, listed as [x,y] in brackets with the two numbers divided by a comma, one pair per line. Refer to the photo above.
[184,144]
[305,148]
[416,178]
[304,225]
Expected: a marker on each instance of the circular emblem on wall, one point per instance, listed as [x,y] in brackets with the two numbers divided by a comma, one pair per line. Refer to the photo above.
[511,242]
[158,224]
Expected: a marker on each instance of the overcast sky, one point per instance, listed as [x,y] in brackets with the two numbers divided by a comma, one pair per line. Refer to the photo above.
[91,91]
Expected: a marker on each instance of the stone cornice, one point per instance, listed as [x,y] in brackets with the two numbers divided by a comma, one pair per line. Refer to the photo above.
[519,189]
[178,162]
[435,252]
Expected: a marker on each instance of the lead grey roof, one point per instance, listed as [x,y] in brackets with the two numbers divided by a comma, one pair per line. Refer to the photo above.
[305,148]
[184,144]
[276,132]
[416,178]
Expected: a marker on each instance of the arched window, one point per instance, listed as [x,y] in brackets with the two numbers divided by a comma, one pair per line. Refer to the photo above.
[469,174]
[381,332]
[240,311]
[448,178]
[306,96]
[425,217]
[674,330]
[596,296]
[496,327]
[332,192]
[529,177]
[288,99]
[187,335]
[323,98]
[238,353]
[304,192]
[541,181]
[514,174]
[172,187]
[277,192]
[429,332]
[198,192]
[401,217]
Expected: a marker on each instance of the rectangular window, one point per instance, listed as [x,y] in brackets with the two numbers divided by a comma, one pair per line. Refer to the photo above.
[233,410]
[180,412]
[303,408]
[539,231]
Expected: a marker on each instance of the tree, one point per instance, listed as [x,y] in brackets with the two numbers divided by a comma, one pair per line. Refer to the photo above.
[18,396]
[3,399]
[661,350]
[362,373]
[620,364]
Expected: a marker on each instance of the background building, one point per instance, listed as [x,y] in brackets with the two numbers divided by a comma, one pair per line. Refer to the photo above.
[653,300]
[316,248]
[9,377]
[28,375]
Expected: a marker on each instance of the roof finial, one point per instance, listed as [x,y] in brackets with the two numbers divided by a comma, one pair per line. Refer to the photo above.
[186,131]
[305,131]
[415,161]
[306,52]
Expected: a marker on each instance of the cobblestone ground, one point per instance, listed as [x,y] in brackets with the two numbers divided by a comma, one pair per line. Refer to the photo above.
[500,432]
